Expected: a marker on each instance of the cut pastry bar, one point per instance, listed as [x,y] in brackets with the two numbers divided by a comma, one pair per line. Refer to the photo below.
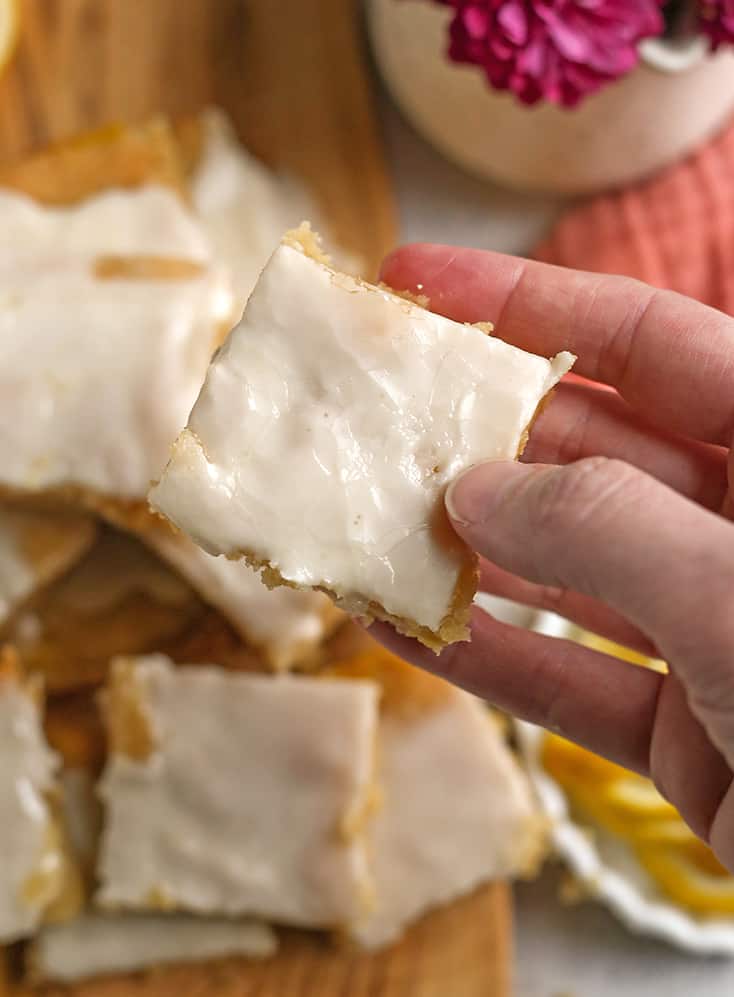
[120,156]
[110,308]
[284,625]
[103,944]
[224,796]
[242,205]
[67,425]
[237,794]
[456,807]
[36,548]
[119,599]
[36,873]
[329,425]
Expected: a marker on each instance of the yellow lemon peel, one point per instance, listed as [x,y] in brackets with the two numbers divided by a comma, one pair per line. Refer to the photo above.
[9,23]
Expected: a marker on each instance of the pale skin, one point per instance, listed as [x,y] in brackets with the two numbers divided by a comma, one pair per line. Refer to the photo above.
[620,517]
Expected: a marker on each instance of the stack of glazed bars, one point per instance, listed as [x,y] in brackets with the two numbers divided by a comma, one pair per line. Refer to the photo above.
[189,759]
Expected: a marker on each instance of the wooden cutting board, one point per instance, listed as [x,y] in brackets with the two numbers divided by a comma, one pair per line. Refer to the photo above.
[293,77]
[456,951]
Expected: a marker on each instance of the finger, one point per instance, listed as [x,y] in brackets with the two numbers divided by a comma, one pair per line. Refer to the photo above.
[583,421]
[604,704]
[670,357]
[727,508]
[721,838]
[607,531]
[684,764]
[580,609]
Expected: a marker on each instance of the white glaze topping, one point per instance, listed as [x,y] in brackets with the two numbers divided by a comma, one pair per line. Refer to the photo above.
[35,548]
[97,374]
[148,221]
[457,811]
[328,427]
[284,623]
[99,944]
[244,804]
[27,768]
[243,206]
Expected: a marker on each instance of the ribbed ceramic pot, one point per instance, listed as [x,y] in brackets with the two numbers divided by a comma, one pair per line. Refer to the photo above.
[678,96]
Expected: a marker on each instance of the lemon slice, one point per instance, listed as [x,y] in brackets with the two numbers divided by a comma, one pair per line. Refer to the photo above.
[8,29]
[590,810]
[606,796]
[637,798]
[666,831]
[568,763]
[628,806]
[695,881]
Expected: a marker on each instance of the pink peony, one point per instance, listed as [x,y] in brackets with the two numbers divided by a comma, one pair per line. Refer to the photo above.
[558,50]
[716,18]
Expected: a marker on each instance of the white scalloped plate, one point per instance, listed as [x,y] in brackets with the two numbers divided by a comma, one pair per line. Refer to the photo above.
[603,865]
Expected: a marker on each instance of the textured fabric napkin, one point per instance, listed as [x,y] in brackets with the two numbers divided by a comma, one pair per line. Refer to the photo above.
[675,230]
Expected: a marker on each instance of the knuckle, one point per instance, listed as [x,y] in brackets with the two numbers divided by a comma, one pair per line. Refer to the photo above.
[572,441]
[711,696]
[699,637]
[553,597]
[558,692]
[452,665]
[659,778]
[577,493]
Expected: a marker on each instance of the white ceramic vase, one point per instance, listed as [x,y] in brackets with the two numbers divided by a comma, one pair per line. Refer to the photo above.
[678,96]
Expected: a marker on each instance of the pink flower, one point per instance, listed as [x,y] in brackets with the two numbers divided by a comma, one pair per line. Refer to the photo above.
[716,18]
[558,50]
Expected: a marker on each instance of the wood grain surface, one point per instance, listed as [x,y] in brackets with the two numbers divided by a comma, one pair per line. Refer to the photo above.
[292,76]
[456,951]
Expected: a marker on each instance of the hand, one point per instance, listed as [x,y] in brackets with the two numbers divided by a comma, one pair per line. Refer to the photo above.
[631,536]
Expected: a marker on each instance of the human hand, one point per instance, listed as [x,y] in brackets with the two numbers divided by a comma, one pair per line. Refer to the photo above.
[632,537]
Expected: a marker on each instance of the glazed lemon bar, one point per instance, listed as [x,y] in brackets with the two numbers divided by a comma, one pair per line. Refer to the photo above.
[36,872]
[284,626]
[110,309]
[456,809]
[243,207]
[120,156]
[118,599]
[35,548]
[328,427]
[101,944]
[237,794]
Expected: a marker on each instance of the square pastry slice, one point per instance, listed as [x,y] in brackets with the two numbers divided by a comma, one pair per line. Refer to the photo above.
[242,205]
[110,310]
[35,864]
[237,794]
[457,809]
[106,944]
[114,156]
[35,548]
[285,626]
[329,425]
[119,599]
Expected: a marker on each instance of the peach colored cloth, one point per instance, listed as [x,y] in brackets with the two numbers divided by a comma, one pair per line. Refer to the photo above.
[675,230]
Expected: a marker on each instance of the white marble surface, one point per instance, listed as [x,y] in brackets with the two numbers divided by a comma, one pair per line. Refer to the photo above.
[560,951]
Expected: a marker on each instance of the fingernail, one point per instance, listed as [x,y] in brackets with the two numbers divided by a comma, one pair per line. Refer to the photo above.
[479,491]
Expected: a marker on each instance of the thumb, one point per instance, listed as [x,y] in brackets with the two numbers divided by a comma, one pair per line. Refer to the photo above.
[609,531]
